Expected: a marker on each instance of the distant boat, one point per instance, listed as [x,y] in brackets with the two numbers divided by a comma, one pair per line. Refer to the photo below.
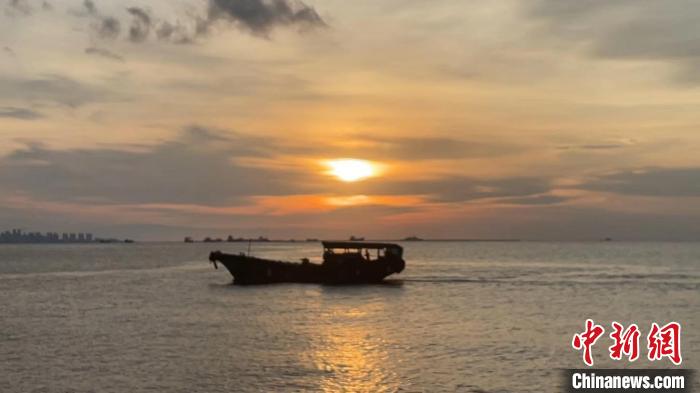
[343,263]
[412,239]
[356,239]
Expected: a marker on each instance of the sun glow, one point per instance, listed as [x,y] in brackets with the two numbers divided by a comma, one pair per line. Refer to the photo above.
[350,170]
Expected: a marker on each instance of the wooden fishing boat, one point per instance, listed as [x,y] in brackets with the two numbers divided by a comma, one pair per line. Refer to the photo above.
[343,263]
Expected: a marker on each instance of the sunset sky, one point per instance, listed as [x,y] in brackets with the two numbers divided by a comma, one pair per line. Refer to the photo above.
[530,119]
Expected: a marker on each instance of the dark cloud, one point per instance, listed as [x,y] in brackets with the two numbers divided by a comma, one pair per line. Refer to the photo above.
[165,31]
[52,88]
[140,27]
[261,16]
[106,27]
[101,52]
[90,7]
[175,33]
[109,28]
[196,168]
[256,16]
[19,113]
[670,182]
[628,29]
[140,24]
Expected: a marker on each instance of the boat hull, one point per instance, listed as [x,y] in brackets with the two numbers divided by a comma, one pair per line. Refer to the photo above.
[248,270]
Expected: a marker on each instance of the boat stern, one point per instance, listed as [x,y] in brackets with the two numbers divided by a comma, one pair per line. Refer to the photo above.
[398,265]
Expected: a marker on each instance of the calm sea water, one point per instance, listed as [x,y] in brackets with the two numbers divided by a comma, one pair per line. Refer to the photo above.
[473,317]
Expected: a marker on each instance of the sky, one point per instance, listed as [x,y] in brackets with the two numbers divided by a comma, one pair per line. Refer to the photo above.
[527,119]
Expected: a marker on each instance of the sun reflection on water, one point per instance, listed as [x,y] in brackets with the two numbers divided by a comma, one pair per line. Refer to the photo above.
[352,353]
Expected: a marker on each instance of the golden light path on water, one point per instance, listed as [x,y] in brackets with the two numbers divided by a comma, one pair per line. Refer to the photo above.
[353,352]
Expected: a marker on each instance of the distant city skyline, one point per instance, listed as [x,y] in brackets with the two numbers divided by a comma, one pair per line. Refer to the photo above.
[19,236]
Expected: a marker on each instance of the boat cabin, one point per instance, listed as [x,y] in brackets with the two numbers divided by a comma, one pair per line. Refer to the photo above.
[366,251]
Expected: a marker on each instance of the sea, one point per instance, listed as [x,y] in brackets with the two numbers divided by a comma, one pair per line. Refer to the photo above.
[463,316]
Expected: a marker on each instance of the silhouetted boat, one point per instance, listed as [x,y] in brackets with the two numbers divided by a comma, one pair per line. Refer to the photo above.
[343,263]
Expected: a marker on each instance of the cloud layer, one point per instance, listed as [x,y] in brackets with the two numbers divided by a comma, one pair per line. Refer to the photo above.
[197,168]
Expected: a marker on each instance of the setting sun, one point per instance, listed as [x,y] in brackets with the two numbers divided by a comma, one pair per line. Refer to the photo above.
[350,170]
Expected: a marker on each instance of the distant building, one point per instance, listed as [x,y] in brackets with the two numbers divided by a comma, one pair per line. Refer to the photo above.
[17,236]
